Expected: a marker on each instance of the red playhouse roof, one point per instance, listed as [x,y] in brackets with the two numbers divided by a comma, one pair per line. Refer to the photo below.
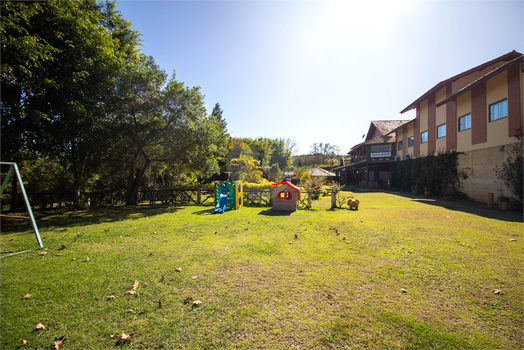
[289,184]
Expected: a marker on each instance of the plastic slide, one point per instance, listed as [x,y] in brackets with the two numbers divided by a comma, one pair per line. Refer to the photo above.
[222,203]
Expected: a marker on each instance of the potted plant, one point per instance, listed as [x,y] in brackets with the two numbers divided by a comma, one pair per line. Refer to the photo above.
[503,202]
[415,189]
[449,192]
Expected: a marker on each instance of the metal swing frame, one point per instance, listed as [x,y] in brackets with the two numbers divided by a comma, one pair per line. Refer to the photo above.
[14,168]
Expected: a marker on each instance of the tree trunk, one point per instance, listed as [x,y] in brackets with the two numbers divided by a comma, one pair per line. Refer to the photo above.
[79,163]
[14,194]
[135,179]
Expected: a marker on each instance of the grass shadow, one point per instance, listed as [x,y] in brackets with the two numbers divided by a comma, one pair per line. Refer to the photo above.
[209,211]
[271,212]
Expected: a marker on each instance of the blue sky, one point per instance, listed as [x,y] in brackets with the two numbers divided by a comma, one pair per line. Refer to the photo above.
[321,71]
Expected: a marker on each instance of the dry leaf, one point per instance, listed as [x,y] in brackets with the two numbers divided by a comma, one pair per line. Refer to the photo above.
[135,285]
[87,259]
[132,292]
[23,341]
[73,259]
[188,300]
[39,326]
[59,341]
[63,247]
[27,296]
[145,284]
[498,291]
[43,253]
[58,254]
[403,290]
[178,269]
[197,302]
[110,297]
[159,303]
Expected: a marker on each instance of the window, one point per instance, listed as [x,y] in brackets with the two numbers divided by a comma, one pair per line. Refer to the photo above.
[498,110]
[400,145]
[441,131]
[410,141]
[465,122]
[285,195]
[380,148]
[424,137]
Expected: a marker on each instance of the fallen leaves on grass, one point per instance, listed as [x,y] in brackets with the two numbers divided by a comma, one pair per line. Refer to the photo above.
[110,297]
[403,290]
[27,296]
[23,341]
[159,304]
[39,327]
[87,259]
[498,291]
[189,300]
[62,247]
[124,338]
[132,292]
[178,269]
[59,341]
[58,254]
[135,285]
[43,253]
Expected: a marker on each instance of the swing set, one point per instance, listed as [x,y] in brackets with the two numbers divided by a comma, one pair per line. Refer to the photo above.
[14,168]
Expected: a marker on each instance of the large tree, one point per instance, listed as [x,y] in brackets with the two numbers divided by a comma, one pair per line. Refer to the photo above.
[163,122]
[75,50]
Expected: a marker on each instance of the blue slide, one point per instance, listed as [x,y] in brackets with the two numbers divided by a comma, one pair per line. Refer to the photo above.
[222,203]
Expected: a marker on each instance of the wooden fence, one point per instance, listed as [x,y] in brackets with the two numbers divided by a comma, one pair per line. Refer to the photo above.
[47,200]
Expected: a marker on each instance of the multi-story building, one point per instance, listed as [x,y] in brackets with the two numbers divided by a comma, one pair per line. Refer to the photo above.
[477,112]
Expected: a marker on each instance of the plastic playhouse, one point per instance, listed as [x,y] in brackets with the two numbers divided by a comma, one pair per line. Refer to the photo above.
[285,196]
[229,195]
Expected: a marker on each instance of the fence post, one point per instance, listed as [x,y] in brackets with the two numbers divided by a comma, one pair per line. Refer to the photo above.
[199,196]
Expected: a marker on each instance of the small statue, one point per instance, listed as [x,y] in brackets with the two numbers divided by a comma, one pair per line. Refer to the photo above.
[353,203]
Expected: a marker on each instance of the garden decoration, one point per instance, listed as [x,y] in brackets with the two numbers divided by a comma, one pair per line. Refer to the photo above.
[353,204]
[285,196]
[229,195]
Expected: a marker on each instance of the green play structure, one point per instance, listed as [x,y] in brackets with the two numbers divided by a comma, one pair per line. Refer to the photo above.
[229,195]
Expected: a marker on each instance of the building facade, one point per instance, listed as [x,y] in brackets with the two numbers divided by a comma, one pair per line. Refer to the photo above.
[370,160]
[477,112]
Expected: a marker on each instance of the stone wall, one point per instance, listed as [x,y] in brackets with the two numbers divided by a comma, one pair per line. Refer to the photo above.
[480,166]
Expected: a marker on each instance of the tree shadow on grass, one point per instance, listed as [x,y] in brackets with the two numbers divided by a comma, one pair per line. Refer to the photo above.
[484,212]
[64,218]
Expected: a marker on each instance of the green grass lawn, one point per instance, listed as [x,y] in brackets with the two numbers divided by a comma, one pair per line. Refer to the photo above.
[398,273]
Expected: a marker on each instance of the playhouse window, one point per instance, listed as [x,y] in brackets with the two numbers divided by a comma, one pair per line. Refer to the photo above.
[284,195]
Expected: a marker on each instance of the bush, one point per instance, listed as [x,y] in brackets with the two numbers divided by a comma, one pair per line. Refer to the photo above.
[433,172]
[511,172]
